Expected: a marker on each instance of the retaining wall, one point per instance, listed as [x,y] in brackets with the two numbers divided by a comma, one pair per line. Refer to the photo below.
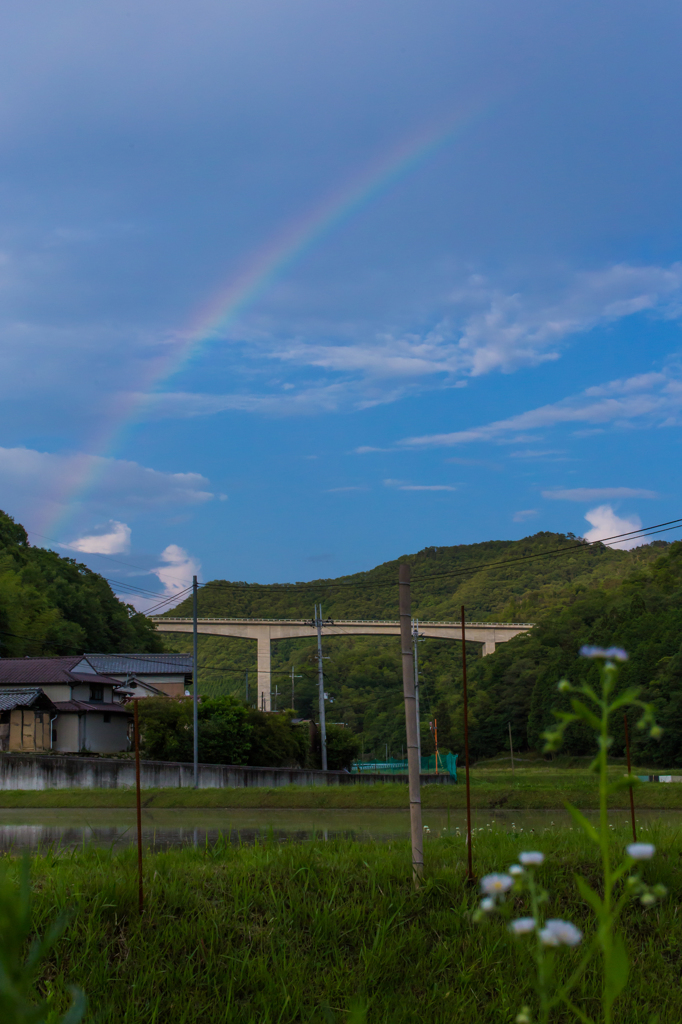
[28,771]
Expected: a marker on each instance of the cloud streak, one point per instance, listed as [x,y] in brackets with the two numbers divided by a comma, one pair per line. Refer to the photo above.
[598,493]
[652,399]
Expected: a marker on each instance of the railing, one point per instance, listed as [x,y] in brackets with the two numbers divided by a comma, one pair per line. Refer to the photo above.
[342,622]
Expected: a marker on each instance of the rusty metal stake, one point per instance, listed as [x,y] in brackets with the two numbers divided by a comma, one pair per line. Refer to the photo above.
[139,806]
[466,746]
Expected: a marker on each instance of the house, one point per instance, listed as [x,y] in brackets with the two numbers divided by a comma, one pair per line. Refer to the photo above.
[148,674]
[87,715]
[26,714]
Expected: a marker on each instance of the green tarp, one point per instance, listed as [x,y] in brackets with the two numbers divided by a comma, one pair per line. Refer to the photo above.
[447,763]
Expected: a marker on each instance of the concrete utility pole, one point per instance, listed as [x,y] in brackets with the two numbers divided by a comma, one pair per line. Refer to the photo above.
[415,641]
[320,683]
[195,716]
[413,764]
[293,669]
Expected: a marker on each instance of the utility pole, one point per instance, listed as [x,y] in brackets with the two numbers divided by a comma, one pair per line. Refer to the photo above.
[319,623]
[292,685]
[411,726]
[415,640]
[195,709]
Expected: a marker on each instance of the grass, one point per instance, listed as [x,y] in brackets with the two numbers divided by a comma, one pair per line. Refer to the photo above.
[544,787]
[278,934]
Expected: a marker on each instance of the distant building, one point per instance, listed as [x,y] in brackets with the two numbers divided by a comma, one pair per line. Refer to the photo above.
[26,716]
[148,674]
[87,715]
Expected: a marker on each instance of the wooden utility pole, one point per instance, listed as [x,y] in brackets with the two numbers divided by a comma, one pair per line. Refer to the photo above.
[511,748]
[415,639]
[413,765]
[140,893]
[632,798]
[466,745]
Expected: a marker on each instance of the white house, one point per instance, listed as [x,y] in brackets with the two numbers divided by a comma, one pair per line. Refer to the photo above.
[88,717]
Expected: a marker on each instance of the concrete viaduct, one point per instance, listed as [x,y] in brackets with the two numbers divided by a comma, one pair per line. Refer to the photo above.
[265,630]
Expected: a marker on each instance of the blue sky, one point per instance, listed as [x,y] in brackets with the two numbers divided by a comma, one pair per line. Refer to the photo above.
[487,346]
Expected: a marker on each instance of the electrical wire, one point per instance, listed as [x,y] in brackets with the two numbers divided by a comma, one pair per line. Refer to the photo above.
[583,545]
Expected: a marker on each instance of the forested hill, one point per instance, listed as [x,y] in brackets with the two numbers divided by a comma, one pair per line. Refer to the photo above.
[587,595]
[52,605]
[517,591]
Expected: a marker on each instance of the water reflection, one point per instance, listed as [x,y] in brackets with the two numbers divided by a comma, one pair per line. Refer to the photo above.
[35,829]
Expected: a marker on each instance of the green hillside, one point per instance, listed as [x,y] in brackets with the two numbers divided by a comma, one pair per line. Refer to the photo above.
[52,605]
[576,594]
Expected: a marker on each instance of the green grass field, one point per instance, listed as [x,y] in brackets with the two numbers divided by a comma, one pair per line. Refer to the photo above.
[278,934]
[491,787]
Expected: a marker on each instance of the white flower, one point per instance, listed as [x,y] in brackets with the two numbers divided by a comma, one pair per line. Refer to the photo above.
[531,857]
[648,899]
[560,933]
[522,925]
[641,851]
[524,1016]
[487,904]
[494,885]
[515,870]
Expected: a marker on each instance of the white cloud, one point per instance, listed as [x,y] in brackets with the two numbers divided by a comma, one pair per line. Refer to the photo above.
[341,490]
[524,514]
[653,399]
[482,328]
[605,523]
[38,487]
[115,542]
[598,493]
[175,574]
[400,485]
[486,329]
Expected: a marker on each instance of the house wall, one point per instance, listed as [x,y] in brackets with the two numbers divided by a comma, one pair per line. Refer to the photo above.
[56,691]
[103,737]
[171,685]
[35,771]
[66,728]
[81,691]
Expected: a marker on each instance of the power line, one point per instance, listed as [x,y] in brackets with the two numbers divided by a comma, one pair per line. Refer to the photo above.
[315,586]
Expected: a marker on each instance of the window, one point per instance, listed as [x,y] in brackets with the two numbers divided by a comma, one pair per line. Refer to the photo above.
[96,693]
[107,716]
[54,735]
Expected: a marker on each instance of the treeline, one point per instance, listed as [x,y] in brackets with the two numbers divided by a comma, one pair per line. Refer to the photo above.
[52,605]
[584,594]
[232,733]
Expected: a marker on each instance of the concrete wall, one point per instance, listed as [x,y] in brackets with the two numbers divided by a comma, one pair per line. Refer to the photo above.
[20,771]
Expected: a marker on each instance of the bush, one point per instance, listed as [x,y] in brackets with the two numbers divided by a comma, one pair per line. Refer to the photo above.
[224,730]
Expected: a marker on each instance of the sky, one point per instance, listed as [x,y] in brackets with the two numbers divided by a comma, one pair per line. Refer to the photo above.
[289,288]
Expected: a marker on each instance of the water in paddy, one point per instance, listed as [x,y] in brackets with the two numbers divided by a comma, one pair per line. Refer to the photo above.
[70,827]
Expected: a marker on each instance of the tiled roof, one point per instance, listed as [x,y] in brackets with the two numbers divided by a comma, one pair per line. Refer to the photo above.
[23,697]
[90,678]
[37,670]
[90,705]
[142,664]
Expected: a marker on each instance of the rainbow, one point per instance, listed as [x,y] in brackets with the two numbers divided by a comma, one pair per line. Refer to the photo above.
[266,266]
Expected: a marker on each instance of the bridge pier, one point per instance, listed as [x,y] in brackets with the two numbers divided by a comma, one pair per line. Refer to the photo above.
[264,670]
[264,631]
